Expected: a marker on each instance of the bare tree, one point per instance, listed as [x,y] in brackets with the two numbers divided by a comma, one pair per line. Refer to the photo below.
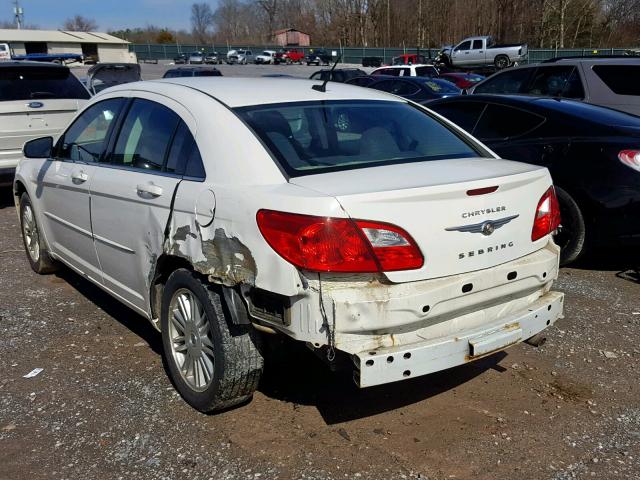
[201,21]
[78,23]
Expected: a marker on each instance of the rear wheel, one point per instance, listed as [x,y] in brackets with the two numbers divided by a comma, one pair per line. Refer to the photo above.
[37,253]
[213,363]
[501,61]
[571,236]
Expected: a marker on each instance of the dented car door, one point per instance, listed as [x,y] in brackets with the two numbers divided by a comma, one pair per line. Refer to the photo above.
[131,200]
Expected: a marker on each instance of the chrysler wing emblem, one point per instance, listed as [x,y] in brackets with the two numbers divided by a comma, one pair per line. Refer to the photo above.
[486,228]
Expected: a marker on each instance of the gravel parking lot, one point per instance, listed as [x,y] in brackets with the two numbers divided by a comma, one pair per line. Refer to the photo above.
[102,407]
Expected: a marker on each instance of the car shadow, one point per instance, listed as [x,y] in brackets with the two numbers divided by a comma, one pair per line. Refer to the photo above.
[112,307]
[625,261]
[303,379]
[6,197]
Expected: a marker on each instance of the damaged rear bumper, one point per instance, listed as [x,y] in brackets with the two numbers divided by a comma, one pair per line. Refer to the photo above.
[385,365]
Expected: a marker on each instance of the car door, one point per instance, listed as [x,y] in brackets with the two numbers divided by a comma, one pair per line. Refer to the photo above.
[476,54]
[460,54]
[131,196]
[64,186]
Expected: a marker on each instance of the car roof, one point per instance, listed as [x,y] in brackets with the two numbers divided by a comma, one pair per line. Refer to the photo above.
[409,65]
[582,110]
[240,92]
[604,59]
[26,63]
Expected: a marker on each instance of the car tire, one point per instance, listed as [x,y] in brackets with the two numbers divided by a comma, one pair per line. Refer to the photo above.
[572,234]
[226,364]
[501,62]
[34,245]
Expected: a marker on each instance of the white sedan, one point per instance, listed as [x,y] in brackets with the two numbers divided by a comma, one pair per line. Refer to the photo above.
[232,211]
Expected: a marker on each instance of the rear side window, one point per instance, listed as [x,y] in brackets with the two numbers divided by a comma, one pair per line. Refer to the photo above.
[513,81]
[477,45]
[557,81]
[621,79]
[426,72]
[145,135]
[499,122]
[85,139]
[184,157]
[463,114]
[316,137]
[29,83]
[385,85]
[404,88]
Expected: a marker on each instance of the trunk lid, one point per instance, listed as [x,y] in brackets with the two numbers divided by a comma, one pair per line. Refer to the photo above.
[430,201]
[105,75]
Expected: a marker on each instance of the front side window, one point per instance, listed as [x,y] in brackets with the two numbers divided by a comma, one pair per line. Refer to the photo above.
[403,88]
[464,46]
[145,136]
[512,81]
[317,137]
[556,81]
[85,140]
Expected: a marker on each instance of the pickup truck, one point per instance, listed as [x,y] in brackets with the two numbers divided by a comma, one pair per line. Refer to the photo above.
[294,55]
[482,52]
[7,54]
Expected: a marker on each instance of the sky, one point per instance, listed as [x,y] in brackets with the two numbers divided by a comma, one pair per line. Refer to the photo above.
[108,14]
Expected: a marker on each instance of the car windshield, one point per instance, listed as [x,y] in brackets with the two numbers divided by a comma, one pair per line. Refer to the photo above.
[318,137]
[20,83]
[440,86]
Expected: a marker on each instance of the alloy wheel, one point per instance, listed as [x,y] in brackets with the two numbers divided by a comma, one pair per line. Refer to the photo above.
[30,232]
[190,338]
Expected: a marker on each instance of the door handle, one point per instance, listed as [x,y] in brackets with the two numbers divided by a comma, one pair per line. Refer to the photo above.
[79,177]
[150,189]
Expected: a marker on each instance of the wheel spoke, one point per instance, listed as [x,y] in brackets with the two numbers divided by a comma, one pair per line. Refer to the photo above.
[178,321]
[184,309]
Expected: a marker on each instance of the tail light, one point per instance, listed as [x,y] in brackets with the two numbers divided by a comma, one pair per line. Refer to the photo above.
[631,158]
[547,217]
[326,244]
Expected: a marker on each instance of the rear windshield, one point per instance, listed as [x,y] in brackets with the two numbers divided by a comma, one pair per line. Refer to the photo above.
[621,79]
[20,83]
[318,137]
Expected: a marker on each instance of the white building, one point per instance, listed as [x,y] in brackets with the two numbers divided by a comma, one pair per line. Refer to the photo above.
[100,46]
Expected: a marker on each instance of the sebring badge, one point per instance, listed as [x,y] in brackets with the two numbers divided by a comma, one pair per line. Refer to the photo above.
[486,228]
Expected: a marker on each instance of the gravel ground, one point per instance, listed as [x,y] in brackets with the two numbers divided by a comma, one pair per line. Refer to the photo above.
[104,408]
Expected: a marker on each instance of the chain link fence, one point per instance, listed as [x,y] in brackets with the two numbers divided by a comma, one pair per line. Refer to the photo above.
[155,52]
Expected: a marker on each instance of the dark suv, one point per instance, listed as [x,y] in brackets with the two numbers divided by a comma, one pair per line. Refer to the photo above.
[609,82]
[318,56]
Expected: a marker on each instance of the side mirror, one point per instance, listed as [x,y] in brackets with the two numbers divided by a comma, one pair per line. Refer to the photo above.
[38,148]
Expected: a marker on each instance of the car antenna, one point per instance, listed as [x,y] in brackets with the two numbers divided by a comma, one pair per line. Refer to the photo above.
[323,87]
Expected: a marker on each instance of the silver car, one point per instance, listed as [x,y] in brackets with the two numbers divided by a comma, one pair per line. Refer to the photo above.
[196,58]
[608,82]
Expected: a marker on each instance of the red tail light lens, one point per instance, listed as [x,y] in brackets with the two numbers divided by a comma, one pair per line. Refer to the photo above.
[326,244]
[631,158]
[547,217]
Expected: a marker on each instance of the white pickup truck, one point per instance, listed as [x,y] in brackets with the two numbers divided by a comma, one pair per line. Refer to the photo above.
[482,52]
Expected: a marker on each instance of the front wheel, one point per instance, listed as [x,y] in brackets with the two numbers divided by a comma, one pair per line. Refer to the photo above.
[213,363]
[37,253]
[572,234]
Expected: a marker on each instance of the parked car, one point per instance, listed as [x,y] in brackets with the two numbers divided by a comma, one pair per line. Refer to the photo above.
[181,59]
[338,74]
[409,59]
[407,71]
[212,58]
[195,58]
[266,57]
[609,82]
[591,151]
[417,89]
[363,81]
[372,62]
[192,72]
[226,211]
[461,79]
[318,56]
[105,75]
[36,99]
[483,51]
[241,57]
[292,55]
